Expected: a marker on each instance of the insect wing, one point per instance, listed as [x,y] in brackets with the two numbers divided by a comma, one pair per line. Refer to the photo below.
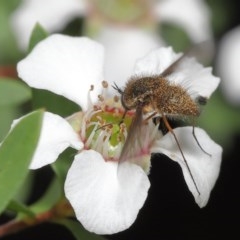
[173,67]
[201,51]
[133,141]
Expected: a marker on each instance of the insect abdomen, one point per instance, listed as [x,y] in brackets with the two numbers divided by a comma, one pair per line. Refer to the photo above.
[157,94]
[174,100]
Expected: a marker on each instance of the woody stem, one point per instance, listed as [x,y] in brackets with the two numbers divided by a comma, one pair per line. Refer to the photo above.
[61,210]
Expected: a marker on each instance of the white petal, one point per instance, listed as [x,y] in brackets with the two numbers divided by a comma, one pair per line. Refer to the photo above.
[32,11]
[66,66]
[191,15]
[155,62]
[228,64]
[205,169]
[192,76]
[196,79]
[123,46]
[56,135]
[106,199]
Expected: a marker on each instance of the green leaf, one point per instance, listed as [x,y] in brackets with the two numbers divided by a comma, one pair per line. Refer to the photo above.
[16,153]
[7,113]
[25,191]
[8,45]
[20,208]
[13,92]
[10,6]
[175,36]
[53,103]
[214,117]
[38,34]
[78,231]
[63,164]
[49,199]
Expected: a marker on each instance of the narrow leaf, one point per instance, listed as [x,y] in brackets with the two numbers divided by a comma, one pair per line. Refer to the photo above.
[38,34]
[63,164]
[13,92]
[18,207]
[53,103]
[16,153]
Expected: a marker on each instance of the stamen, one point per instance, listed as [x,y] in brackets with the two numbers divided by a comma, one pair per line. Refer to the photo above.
[89,100]
[101,98]
[86,121]
[123,130]
[105,146]
[96,108]
[100,138]
[90,137]
[104,90]
[116,98]
[102,132]
[91,87]
[118,150]
[105,84]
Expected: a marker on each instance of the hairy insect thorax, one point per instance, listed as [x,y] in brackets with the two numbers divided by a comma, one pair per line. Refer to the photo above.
[157,94]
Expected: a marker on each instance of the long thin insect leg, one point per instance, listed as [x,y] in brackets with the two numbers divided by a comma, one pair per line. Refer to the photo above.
[105,125]
[150,116]
[198,143]
[179,147]
[123,116]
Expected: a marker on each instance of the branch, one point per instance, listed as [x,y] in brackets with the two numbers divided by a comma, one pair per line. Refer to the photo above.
[61,210]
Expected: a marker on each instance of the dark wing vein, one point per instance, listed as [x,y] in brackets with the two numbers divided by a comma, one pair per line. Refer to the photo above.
[172,68]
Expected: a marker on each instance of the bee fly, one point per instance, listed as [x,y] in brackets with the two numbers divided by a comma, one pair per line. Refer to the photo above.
[155,95]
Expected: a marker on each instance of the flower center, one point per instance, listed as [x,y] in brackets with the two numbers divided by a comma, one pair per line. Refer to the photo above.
[105,133]
[103,129]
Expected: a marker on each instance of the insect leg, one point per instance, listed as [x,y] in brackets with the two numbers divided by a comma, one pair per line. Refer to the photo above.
[179,147]
[123,116]
[150,116]
[105,125]
[195,137]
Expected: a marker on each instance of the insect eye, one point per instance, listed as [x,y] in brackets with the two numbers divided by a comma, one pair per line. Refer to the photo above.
[201,100]
[123,101]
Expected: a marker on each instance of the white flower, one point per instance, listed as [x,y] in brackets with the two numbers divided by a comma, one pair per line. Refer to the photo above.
[192,15]
[53,15]
[61,140]
[194,18]
[107,196]
[228,65]
[204,169]
[118,41]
